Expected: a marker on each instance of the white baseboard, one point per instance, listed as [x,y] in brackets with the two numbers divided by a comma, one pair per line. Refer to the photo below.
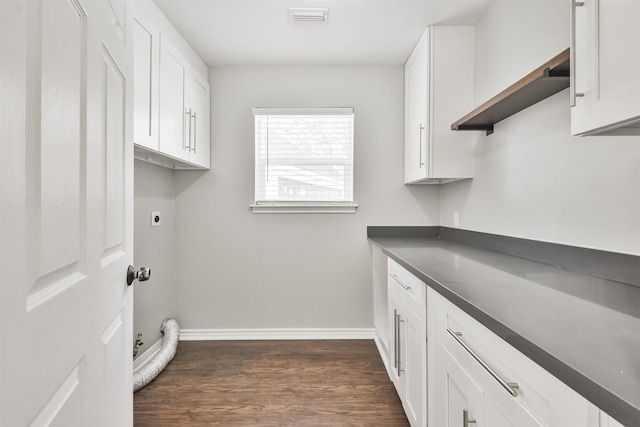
[277,334]
[148,354]
[383,352]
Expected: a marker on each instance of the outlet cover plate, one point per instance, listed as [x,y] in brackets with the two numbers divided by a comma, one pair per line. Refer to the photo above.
[156,219]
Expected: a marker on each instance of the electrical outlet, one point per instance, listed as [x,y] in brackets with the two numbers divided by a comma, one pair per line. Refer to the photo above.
[156,219]
[456,219]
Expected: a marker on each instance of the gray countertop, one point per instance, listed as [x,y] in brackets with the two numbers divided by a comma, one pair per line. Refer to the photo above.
[583,330]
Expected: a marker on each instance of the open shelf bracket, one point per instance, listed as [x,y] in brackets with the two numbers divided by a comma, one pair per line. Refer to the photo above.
[546,80]
[555,74]
[487,128]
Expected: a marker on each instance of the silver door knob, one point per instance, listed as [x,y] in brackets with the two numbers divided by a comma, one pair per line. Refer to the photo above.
[142,275]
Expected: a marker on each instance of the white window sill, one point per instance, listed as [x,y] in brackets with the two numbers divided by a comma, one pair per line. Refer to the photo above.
[304,208]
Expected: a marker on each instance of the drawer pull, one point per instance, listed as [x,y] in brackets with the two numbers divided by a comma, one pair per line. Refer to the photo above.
[406,288]
[510,387]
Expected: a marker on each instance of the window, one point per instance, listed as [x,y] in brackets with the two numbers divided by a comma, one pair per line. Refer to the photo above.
[304,160]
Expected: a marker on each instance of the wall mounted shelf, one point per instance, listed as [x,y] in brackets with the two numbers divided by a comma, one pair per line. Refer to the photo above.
[548,79]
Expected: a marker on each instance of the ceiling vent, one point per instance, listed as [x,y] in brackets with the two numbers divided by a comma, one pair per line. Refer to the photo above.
[308,15]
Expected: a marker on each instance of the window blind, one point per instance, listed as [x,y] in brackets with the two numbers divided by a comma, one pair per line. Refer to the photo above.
[303,155]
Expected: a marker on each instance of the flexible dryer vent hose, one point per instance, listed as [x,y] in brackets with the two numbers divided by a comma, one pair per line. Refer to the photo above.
[152,369]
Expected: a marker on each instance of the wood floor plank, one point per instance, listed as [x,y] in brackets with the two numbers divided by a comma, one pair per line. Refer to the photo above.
[272,383]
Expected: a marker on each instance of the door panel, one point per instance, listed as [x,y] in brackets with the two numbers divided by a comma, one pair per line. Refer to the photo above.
[198,97]
[114,146]
[416,365]
[172,101]
[394,310]
[56,143]
[416,112]
[66,205]
[114,344]
[455,392]
[146,68]
[607,66]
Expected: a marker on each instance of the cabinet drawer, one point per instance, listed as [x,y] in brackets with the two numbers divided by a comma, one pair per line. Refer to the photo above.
[505,373]
[412,289]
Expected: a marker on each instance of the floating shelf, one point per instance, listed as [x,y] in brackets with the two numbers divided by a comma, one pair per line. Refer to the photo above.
[548,79]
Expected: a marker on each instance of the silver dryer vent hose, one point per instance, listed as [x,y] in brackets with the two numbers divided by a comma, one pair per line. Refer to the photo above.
[152,369]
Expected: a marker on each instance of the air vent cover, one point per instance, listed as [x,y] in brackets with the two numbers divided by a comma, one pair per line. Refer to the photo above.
[308,15]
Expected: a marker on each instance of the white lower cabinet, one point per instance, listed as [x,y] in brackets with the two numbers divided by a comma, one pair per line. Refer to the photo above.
[607,421]
[451,371]
[460,400]
[465,401]
[477,379]
[408,348]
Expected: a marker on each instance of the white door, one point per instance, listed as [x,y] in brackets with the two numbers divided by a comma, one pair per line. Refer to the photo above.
[66,214]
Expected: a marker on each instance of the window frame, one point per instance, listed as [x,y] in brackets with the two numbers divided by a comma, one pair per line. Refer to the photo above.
[280,207]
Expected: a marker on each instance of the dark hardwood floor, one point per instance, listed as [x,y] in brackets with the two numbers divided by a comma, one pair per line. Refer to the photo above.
[271,383]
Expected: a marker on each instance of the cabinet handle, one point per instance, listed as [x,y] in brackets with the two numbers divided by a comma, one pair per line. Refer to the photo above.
[420,158]
[398,353]
[510,387]
[185,145]
[572,54]
[465,418]
[194,131]
[406,288]
[395,338]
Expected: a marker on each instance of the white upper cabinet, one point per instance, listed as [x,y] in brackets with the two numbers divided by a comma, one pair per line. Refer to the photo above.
[184,109]
[146,77]
[173,110]
[198,107]
[606,68]
[171,97]
[438,89]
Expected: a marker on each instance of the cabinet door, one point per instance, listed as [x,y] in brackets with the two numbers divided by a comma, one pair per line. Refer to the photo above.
[417,111]
[502,410]
[457,398]
[606,421]
[173,74]
[461,393]
[394,334]
[607,67]
[514,415]
[146,70]
[198,144]
[413,357]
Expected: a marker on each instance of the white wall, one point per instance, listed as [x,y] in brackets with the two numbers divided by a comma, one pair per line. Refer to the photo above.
[236,269]
[153,191]
[532,179]
[153,248]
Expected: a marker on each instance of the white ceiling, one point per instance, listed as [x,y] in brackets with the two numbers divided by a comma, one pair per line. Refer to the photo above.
[359,32]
